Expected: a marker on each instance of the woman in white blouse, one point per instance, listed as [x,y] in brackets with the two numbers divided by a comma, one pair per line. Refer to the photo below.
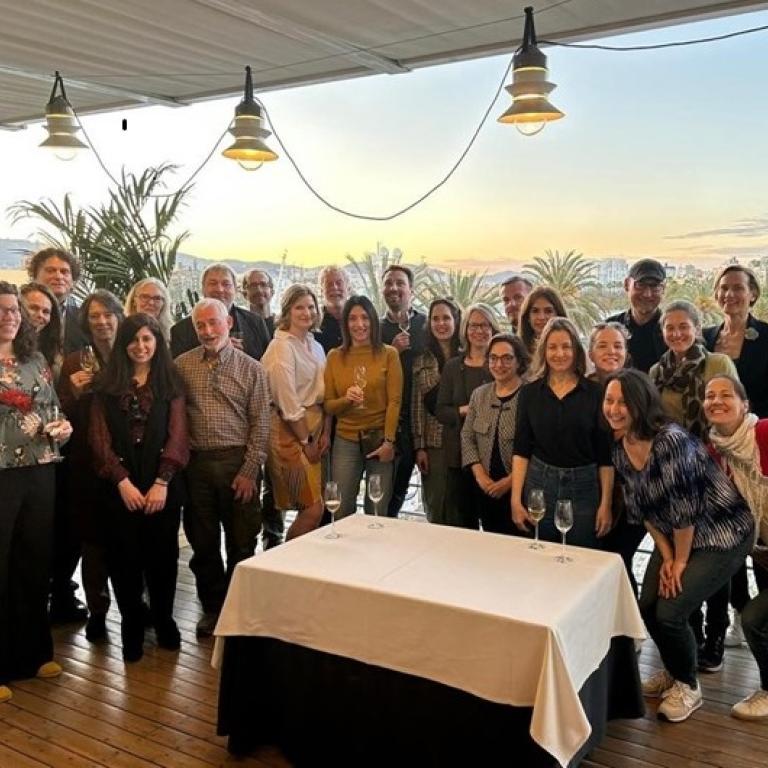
[295,364]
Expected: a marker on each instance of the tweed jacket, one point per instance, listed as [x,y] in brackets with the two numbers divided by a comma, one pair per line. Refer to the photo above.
[488,415]
[426,429]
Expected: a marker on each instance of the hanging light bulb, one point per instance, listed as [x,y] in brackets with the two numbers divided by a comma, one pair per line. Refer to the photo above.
[249,148]
[61,124]
[530,110]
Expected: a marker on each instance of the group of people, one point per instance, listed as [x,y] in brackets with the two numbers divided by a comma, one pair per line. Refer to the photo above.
[237,415]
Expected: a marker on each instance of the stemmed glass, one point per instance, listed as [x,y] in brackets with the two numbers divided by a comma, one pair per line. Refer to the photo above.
[50,415]
[536,509]
[360,379]
[564,523]
[375,494]
[88,360]
[332,504]
[404,320]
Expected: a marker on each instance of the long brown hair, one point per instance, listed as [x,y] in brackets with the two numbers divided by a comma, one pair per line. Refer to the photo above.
[525,329]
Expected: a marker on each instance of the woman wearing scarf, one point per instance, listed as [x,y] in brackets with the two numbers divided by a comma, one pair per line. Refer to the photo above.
[681,376]
[740,441]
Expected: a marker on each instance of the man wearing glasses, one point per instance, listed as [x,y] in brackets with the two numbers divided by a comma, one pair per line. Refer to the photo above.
[259,290]
[645,289]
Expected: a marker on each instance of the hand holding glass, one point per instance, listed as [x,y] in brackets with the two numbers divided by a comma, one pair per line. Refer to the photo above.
[51,418]
[404,320]
[564,523]
[375,494]
[536,509]
[359,377]
[89,363]
[332,504]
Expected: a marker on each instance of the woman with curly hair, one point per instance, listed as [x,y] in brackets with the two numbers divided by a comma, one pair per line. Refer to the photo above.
[30,431]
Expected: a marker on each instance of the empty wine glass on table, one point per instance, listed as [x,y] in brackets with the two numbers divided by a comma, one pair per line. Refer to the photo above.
[375,494]
[360,379]
[563,523]
[536,509]
[332,504]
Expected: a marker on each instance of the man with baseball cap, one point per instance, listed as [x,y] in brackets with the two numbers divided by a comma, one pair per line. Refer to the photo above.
[645,289]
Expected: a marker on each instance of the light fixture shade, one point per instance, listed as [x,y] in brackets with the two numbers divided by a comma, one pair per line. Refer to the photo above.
[61,125]
[249,147]
[531,110]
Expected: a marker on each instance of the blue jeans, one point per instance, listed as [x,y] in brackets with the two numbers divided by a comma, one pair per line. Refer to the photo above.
[579,484]
[347,467]
[667,618]
[754,622]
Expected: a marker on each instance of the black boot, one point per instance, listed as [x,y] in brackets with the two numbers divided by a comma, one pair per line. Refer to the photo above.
[711,659]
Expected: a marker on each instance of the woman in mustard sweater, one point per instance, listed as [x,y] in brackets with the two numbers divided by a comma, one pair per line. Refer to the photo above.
[363,390]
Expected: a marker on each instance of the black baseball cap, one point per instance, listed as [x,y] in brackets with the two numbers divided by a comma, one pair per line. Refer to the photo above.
[648,270]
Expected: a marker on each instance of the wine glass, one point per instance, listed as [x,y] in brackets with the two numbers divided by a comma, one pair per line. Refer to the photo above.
[563,523]
[360,378]
[404,320]
[88,361]
[50,415]
[536,509]
[375,494]
[332,504]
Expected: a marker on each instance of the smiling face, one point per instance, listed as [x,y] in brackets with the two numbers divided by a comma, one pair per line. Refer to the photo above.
[502,362]
[723,407]
[541,311]
[441,322]
[10,317]
[679,331]
[150,300]
[334,288]
[258,290]
[513,295]
[39,309]
[56,274]
[303,314]
[644,297]
[142,348]
[479,330]
[615,410]
[219,284]
[102,323]
[733,293]
[359,326]
[397,291]
[212,327]
[608,351]
[559,353]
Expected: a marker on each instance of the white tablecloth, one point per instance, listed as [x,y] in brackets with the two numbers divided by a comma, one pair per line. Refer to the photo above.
[476,611]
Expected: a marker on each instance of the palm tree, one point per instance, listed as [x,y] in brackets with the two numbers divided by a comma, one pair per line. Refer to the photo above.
[573,277]
[464,288]
[699,291]
[117,244]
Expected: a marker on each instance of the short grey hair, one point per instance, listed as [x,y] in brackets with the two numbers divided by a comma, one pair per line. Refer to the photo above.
[682,305]
[332,268]
[218,305]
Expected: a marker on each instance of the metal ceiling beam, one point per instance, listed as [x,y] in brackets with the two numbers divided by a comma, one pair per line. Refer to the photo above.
[282,26]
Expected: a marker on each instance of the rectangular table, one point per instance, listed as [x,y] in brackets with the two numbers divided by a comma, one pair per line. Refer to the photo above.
[477,612]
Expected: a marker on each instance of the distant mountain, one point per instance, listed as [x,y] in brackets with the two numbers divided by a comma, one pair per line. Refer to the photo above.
[13,252]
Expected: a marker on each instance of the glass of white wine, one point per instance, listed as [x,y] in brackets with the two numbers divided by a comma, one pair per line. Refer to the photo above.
[375,494]
[564,523]
[332,504]
[360,377]
[537,508]
[88,361]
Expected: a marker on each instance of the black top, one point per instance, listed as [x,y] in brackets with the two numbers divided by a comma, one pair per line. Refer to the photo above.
[254,330]
[457,383]
[329,336]
[563,433]
[389,330]
[646,344]
[752,365]
[73,337]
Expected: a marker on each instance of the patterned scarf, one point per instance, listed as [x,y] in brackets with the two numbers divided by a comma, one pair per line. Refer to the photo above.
[687,379]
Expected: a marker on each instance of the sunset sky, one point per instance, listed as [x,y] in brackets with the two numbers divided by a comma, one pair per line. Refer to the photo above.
[661,153]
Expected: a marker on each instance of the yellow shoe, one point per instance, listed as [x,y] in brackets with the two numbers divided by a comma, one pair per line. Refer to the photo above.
[6,694]
[49,669]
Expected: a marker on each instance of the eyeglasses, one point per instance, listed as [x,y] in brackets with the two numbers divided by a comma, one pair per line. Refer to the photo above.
[652,288]
[503,359]
[154,299]
[11,311]
[478,327]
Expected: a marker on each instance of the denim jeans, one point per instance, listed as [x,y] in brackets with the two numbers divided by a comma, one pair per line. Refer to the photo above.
[754,622]
[347,468]
[667,618]
[579,484]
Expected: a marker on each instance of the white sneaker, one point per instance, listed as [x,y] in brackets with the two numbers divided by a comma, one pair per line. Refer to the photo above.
[754,707]
[658,684]
[680,702]
[734,637]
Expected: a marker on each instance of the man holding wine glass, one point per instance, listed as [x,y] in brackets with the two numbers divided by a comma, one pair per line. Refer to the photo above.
[403,328]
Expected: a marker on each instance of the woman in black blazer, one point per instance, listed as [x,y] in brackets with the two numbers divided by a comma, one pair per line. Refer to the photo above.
[745,340]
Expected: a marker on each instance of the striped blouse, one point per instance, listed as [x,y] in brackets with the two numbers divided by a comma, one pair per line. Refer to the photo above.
[681,485]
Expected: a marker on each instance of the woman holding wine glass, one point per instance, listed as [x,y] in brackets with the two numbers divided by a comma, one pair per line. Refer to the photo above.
[561,445]
[30,430]
[487,437]
[701,527]
[139,441]
[461,376]
[100,316]
[366,418]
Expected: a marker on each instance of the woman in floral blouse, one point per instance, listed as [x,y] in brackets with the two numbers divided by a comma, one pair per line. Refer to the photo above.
[30,432]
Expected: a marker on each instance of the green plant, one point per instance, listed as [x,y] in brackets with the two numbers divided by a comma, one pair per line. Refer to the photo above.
[464,288]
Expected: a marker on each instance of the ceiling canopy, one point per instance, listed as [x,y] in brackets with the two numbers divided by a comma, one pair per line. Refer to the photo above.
[116,54]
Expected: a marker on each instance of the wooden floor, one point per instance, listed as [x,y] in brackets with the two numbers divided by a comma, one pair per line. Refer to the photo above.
[162,711]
